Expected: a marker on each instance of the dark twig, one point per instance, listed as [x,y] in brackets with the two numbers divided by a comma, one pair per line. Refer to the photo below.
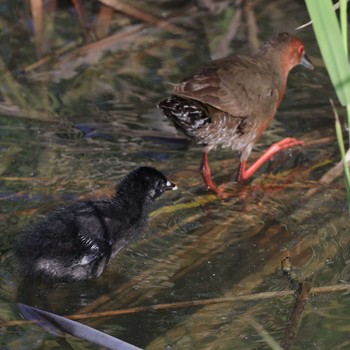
[301,299]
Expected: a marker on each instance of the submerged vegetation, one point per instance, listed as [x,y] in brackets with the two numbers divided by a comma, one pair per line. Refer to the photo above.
[78,97]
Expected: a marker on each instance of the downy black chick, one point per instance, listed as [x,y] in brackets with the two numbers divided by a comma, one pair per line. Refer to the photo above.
[76,242]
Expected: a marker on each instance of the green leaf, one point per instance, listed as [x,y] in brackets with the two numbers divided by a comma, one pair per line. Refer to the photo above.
[339,133]
[330,41]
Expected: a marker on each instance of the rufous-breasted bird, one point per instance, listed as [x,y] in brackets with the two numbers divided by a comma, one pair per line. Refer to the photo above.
[231,101]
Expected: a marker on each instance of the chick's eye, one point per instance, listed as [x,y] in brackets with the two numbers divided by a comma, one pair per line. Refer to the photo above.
[301,50]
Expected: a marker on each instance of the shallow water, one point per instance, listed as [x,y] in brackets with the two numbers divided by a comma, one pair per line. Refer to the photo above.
[77,137]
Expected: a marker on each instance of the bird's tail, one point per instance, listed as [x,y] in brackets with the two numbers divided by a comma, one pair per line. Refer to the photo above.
[188,115]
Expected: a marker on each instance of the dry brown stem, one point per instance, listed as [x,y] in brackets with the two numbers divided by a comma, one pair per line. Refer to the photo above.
[185,304]
[145,17]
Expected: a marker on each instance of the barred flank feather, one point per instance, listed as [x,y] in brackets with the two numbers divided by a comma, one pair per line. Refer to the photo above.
[188,115]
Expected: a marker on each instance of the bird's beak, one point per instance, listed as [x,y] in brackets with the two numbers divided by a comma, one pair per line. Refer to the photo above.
[170,186]
[305,61]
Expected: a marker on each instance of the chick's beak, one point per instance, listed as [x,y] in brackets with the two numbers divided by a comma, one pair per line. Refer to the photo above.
[306,62]
[170,186]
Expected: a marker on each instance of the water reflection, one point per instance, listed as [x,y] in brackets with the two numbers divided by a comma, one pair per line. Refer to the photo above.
[104,124]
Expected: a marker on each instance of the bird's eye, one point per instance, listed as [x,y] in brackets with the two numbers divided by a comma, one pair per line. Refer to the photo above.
[301,50]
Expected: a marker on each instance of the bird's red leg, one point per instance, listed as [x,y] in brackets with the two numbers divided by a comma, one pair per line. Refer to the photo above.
[244,174]
[206,173]
[241,170]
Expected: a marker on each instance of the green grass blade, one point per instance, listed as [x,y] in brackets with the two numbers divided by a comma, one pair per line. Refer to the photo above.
[344,24]
[344,33]
[340,140]
[330,41]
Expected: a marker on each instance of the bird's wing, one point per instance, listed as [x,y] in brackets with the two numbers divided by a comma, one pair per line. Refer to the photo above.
[83,230]
[239,86]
